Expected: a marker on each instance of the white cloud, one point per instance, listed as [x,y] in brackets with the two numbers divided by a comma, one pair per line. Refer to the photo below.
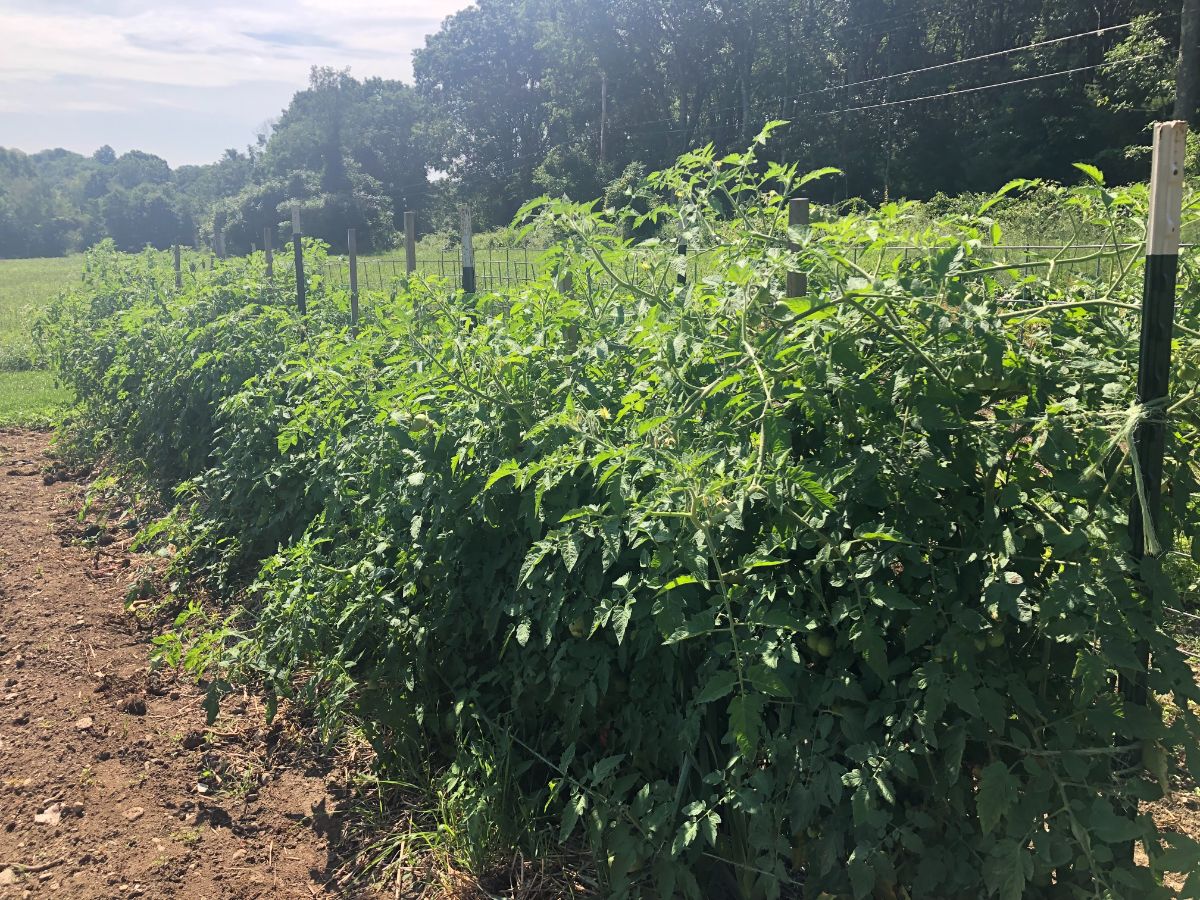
[66,57]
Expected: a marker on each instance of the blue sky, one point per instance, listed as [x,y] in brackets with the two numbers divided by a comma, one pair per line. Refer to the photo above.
[181,78]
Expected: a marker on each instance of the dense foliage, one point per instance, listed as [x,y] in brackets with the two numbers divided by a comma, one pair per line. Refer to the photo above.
[781,595]
[508,102]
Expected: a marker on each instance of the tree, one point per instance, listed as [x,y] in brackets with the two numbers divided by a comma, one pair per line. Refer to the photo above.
[907,99]
[382,138]
[482,76]
[147,215]
[135,168]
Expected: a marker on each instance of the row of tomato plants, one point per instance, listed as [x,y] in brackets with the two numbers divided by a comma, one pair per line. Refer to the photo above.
[766,595]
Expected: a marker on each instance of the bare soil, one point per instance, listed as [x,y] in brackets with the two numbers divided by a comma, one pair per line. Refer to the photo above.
[110,783]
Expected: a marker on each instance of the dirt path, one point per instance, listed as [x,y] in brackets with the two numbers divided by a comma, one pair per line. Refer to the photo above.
[106,770]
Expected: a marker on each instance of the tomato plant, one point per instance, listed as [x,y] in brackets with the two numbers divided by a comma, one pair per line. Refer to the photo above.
[792,595]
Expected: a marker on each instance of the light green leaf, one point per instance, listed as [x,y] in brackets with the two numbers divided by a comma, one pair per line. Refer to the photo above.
[511,467]
[1015,184]
[651,424]
[887,536]
[620,620]
[571,815]
[679,582]
[1091,172]
[817,173]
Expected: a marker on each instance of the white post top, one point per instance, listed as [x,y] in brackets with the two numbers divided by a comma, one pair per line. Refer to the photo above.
[1166,189]
[295,220]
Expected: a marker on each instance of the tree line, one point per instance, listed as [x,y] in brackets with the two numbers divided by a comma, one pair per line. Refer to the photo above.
[514,98]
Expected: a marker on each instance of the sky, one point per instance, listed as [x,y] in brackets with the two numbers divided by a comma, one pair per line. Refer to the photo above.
[181,78]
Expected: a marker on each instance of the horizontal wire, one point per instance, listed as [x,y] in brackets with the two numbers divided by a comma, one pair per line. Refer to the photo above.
[957,62]
[985,87]
[514,165]
[971,90]
[970,59]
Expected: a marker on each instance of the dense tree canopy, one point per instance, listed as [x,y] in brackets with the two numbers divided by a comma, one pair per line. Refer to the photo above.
[517,97]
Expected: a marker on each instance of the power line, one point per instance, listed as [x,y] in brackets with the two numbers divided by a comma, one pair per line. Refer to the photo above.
[987,87]
[970,59]
[520,162]
[710,129]
[1096,32]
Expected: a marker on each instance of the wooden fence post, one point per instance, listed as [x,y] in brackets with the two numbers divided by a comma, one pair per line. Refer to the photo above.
[1153,381]
[797,282]
[410,242]
[298,251]
[468,252]
[178,267]
[221,245]
[352,250]
[1158,322]
[269,252]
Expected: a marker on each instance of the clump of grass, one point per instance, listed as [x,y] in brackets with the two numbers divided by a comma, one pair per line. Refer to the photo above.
[460,830]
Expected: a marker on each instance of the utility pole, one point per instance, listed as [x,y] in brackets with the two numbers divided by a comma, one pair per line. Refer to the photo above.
[1187,75]
[603,112]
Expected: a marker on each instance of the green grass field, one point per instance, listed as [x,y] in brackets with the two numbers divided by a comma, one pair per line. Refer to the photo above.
[28,396]
[26,287]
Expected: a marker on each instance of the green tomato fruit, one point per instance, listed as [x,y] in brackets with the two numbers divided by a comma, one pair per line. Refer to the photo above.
[995,638]
[825,647]
[812,640]
[578,627]
[1157,763]
[980,644]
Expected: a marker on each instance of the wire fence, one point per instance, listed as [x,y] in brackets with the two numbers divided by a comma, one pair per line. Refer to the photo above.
[499,268]
[1105,262]
[494,269]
